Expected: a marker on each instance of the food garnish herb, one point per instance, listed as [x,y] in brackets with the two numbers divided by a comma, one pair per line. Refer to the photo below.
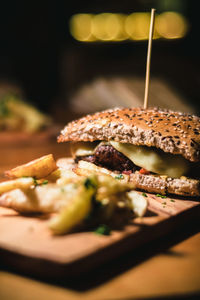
[45,182]
[172,200]
[89,184]
[103,229]
[161,196]
[35,181]
[120,176]
[144,194]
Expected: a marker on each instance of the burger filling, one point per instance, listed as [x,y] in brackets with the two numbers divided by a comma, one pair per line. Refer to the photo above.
[108,157]
[127,158]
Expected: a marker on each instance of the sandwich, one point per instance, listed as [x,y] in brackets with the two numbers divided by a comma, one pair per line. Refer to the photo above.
[156,149]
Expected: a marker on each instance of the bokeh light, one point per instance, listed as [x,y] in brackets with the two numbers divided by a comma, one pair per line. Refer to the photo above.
[171,25]
[137,26]
[80,27]
[119,27]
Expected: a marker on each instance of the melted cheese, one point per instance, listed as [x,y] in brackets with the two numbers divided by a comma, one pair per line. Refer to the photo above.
[83,148]
[154,160]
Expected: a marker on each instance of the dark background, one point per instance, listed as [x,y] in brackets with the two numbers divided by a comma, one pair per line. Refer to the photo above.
[38,53]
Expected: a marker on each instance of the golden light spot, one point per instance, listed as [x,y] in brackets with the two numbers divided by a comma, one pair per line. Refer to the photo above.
[81,27]
[137,26]
[171,25]
[108,27]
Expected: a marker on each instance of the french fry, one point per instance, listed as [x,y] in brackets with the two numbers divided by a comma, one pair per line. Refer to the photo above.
[38,168]
[83,172]
[48,198]
[62,176]
[67,176]
[73,192]
[55,175]
[138,203]
[86,169]
[20,201]
[76,211]
[66,163]
[19,183]
[52,198]
[109,186]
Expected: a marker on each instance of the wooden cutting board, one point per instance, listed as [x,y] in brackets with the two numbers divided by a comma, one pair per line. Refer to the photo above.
[27,244]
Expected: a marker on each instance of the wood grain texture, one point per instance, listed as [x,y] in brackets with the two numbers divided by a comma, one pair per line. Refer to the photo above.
[26,241]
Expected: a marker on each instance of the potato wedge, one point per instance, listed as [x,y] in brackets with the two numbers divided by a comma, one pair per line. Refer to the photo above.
[67,176]
[83,172]
[85,168]
[108,186]
[20,183]
[76,210]
[21,201]
[66,163]
[38,168]
[52,198]
[53,176]
[48,198]
[138,203]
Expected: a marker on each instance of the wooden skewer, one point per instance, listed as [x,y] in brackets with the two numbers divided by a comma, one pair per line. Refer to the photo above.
[146,92]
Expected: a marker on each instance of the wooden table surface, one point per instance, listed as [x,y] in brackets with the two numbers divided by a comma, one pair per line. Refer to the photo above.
[167,267]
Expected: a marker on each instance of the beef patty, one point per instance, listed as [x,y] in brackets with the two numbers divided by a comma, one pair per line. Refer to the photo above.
[108,157]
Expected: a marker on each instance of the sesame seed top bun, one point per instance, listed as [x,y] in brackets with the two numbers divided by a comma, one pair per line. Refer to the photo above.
[173,132]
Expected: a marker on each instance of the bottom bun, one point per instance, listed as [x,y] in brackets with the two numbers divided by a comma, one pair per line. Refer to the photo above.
[165,185]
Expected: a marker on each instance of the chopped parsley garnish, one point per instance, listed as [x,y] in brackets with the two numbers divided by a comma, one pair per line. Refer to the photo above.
[161,196]
[89,184]
[164,203]
[144,194]
[35,181]
[45,182]
[120,176]
[172,200]
[103,229]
